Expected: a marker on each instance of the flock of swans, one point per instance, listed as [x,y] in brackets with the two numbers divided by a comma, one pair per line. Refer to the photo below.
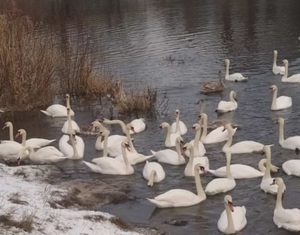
[119,154]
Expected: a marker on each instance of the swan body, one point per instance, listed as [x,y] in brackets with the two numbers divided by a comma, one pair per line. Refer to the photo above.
[277,69]
[9,150]
[72,146]
[292,142]
[288,219]
[228,106]
[292,79]
[181,197]
[222,185]
[70,125]
[58,110]
[235,77]
[33,142]
[281,102]
[213,87]
[153,172]
[178,126]
[292,167]
[170,156]
[138,125]
[199,149]
[233,218]
[112,166]
[215,136]
[45,155]
[134,158]
[266,182]
[246,146]
[170,137]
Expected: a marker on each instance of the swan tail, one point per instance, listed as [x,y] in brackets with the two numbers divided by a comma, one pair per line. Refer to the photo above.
[45,112]
[93,167]
[153,152]
[148,157]
[274,168]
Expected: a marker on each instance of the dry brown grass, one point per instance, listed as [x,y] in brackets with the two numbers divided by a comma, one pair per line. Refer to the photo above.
[27,63]
[26,222]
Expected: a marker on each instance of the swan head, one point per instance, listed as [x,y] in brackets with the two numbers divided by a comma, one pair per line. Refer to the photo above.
[125,145]
[177,112]
[227,61]
[278,181]
[20,132]
[67,96]
[275,52]
[273,88]
[228,202]
[187,146]
[130,127]
[202,116]
[7,124]
[198,167]
[285,62]
[233,95]
[179,140]
[164,125]
[196,126]
[228,127]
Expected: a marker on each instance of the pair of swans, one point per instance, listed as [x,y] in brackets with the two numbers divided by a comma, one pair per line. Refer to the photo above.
[178,126]
[215,136]
[281,102]
[213,87]
[170,156]
[235,77]
[222,185]
[292,142]
[292,79]
[288,219]
[181,197]
[246,146]
[112,166]
[170,140]
[153,172]
[58,110]
[233,218]
[277,69]
[228,106]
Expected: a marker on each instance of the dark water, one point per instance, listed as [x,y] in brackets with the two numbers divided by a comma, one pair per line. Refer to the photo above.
[176,46]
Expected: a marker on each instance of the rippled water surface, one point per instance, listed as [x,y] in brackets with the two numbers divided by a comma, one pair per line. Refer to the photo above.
[176,46]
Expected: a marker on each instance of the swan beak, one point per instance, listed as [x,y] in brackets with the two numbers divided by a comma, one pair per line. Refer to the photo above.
[101,119]
[202,168]
[231,206]
[4,127]
[17,135]
[127,147]
[160,127]
[224,129]
[132,128]
[19,160]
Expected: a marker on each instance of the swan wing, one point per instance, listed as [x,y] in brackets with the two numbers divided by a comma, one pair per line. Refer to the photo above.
[217,135]
[138,124]
[238,171]
[287,218]
[292,167]
[292,142]
[220,185]
[38,142]
[246,146]
[238,216]
[283,102]
[168,156]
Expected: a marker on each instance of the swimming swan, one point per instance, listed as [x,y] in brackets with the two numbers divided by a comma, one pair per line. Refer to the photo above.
[170,137]
[112,166]
[288,219]
[294,78]
[222,185]
[277,69]
[228,106]
[169,155]
[181,197]
[213,87]
[292,142]
[235,77]
[33,142]
[281,102]
[233,218]
[58,110]
[292,167]
[178,126]
[138,125]
[245,146]
[199,149]
[72,146]
[153,172]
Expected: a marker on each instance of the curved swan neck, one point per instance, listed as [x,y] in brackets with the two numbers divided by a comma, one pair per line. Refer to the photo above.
[230,226]
[105,144]
[261,165]
[267,174]
[11,132]
[116,121]
[281,132]
[275,92]
[279,196]
[199,188]
[124,154]
[231,97]
[151,178]
[204,122]
[228,160]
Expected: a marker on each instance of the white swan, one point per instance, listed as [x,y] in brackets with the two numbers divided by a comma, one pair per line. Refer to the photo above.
[138,125]
[233,218]
[277,69]
[245,146]
[199,149]
[153,172]
[178,126]
[10,127]
[228,106]
[66,129]
[266,182]
[235,77]
[134,158]
[215,136]
[170,137]
[281,102]
[288,219]
[72,146]
[292,79]
[58,110]
[241,171]
[111,166]
[222,185]
[181,197]
[33,142]
[292,142]
[203,161]
[169,155]
[292,167]
[45,155]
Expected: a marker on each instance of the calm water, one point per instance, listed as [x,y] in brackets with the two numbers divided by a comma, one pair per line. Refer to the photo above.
[176,46]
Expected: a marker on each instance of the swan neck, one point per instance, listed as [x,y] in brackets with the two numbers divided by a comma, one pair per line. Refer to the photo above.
[178,150]
[267,174]
[279,196]
[275,92]
[177,124]
[199,188]
[70,127]
[105,143]
[168,137]
[132,148]
[11,133]
[228,159]
[230,225]
[75,152]
[151,178]
[24,139]
[286,72]
[229,141]
[204,122]
[197,138]
[227,70]
[261,166]
[274,60]
[124,154]
[281,132]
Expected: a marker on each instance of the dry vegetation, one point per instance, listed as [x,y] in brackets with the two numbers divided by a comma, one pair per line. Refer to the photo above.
[33,69]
